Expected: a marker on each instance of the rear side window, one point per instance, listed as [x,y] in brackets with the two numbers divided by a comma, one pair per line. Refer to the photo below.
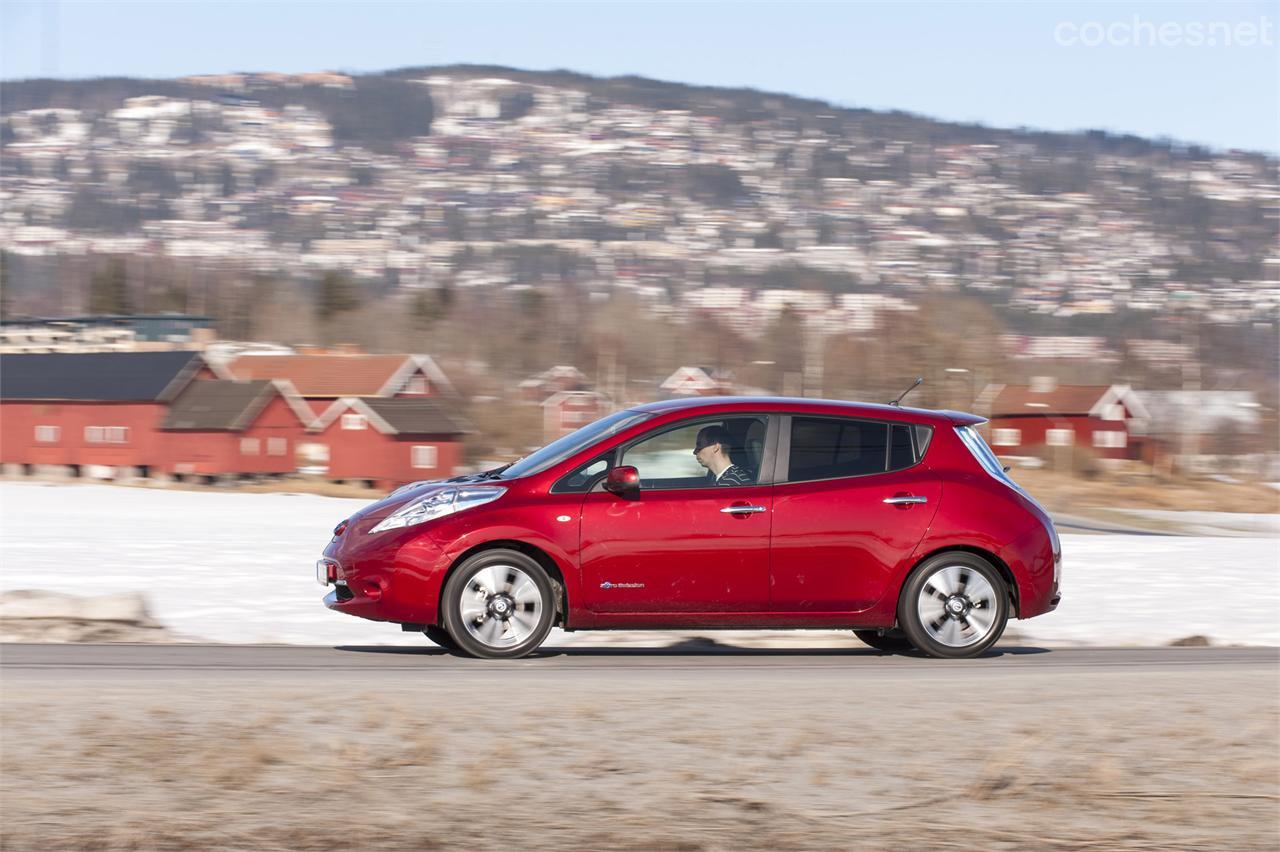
[827,448]
[901,453]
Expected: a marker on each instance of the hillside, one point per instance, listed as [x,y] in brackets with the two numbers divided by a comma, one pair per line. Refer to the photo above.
[419,188]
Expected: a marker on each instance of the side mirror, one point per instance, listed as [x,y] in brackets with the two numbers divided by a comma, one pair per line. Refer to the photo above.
[623,481]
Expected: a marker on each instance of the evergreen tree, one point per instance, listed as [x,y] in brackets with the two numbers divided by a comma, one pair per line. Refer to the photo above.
[109,289]
[337,294]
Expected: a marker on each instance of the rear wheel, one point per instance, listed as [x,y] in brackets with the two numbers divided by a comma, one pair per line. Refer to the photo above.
[498,604]
[890,641]
[954,605]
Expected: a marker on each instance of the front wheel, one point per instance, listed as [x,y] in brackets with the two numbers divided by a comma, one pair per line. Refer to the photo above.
[954,605]
[498,604]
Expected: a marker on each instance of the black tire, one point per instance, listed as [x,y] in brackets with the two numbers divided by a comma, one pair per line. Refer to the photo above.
[440,636]
[890,641]
[966,601]
[509,603]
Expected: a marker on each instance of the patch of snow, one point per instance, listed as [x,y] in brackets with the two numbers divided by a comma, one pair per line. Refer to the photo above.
[1211,523]
[232,567]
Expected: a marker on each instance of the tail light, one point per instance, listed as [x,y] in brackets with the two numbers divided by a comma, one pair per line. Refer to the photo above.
[340,528]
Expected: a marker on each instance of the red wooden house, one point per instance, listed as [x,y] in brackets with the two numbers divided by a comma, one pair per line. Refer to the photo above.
[324,379]
[389,442]
[220,428]
[566,411]
[93,414]
[321,379]
[1044,413]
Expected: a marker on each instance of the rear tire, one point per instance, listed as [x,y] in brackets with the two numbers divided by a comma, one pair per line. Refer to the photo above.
[498,604]
[890,641]
[954,605]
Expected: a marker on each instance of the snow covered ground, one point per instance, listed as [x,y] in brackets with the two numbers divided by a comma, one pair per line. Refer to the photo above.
[232,567]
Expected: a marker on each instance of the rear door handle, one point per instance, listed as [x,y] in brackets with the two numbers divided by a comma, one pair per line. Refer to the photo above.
[741,510]
[905,500]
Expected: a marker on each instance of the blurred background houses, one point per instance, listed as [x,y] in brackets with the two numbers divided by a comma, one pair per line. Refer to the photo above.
[555,246]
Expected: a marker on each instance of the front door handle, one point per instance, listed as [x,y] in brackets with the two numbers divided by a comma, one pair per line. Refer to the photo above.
[741,510]
[905,500]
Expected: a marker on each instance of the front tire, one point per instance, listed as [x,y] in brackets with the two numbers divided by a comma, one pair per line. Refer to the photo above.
[954,605]
[498,604]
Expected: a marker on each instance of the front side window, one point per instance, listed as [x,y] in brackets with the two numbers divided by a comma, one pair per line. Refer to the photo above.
[705,453]
[584,477]
[826,448]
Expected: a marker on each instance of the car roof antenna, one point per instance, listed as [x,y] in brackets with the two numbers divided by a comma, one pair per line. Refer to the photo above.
[917,383]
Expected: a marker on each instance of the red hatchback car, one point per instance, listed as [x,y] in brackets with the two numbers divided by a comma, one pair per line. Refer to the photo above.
[897,523]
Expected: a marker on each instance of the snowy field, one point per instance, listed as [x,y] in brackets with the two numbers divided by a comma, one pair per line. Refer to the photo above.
[229,567]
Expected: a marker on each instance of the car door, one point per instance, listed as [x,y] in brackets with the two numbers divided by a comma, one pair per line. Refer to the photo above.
[850,505]
[683,544]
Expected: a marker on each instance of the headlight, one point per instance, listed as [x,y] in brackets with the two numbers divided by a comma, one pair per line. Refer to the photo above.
[439,504]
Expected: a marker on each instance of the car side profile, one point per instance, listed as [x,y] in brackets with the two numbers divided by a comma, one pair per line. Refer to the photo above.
[896,523]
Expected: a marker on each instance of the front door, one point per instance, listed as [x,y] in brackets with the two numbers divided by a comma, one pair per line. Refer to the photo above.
[690,541]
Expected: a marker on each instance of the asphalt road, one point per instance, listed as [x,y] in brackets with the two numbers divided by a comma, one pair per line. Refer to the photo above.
[127,662]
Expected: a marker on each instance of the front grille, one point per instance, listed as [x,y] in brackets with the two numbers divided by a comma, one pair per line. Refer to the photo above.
[343,593]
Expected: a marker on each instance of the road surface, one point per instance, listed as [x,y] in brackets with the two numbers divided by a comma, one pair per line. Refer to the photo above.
[690,748]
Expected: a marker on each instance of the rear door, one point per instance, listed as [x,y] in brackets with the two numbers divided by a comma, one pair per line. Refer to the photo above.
[850,505]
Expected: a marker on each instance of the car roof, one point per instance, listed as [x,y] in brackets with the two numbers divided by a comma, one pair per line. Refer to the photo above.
[784,404]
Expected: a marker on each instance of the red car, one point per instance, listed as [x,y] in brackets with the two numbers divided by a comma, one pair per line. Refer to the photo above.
[896,523]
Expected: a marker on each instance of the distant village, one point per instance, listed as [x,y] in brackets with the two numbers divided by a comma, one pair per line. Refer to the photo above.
[550,251]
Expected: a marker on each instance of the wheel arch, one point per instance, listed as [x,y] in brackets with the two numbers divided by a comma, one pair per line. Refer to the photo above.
[534,552]
[999,564]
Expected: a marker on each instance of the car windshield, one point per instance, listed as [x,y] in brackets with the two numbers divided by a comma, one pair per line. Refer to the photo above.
[562,448]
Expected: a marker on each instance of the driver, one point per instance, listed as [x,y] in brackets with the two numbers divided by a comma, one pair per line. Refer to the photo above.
[711,449]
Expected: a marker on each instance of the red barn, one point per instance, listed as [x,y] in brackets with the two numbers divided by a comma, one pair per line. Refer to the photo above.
[321,379]
[1044,413]
[391,441]
[93,413]
[219,428]
[569,410]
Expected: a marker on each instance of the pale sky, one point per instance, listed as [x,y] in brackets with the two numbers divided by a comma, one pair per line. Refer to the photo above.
[1196,72]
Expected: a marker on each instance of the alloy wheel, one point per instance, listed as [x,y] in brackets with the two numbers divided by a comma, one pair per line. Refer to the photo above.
[957,606]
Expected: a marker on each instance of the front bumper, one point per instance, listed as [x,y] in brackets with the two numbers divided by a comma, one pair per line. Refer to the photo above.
[392,576]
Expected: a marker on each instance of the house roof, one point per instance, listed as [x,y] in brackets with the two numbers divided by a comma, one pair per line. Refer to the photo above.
[1079,400]
[322,375]
[339,375]
[98,376]
[218,405]
[401,416]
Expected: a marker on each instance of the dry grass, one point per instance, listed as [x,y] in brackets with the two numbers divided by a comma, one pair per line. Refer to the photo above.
[1061,760]
[1064,493]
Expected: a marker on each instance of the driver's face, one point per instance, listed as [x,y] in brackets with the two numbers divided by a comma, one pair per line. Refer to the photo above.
[701,453]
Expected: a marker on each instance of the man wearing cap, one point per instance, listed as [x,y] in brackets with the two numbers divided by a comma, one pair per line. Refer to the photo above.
[711,449]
